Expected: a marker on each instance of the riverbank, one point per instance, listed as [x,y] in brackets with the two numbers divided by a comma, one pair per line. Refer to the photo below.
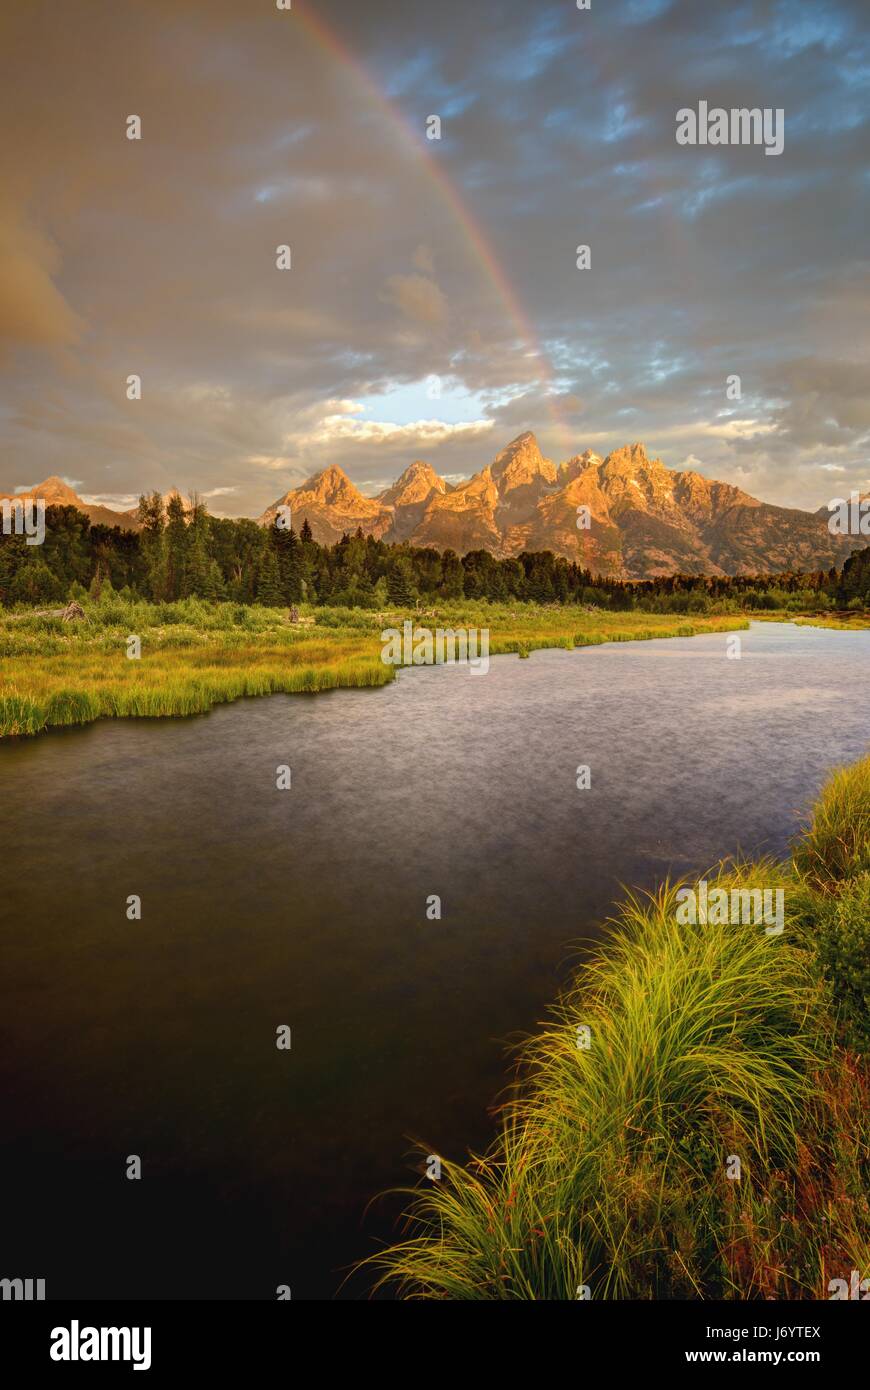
[838,622]
[708,1137]
[196,654]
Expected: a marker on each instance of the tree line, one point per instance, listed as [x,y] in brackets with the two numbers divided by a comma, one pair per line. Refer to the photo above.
[180,551]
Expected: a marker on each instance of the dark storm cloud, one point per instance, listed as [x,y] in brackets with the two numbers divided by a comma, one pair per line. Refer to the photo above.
[158,257]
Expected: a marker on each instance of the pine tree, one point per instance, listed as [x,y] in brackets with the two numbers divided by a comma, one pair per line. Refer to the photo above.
[177,548]
[214,587]
[288,552]
[269,580]
[399,584]
[153,541]
[196,571]
[452,575]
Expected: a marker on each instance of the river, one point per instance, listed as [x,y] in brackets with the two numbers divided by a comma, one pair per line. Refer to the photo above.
[310,908]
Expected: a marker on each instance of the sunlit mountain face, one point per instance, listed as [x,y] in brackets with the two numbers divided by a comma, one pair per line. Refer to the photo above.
[625,515]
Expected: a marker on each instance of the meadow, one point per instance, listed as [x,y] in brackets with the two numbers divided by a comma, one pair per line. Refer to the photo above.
[709,1136]
[196,654]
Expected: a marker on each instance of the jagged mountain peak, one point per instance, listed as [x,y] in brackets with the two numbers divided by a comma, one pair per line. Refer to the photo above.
[54,491]
[417,468]
[521,463]
[415,485]
[577,464]
[331,485]
[629,459]
[525,439]
[413,492]
[332,505]
[525,447]
[55,482]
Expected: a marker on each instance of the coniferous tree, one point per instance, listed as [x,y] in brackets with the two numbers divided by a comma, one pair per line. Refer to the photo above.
[214,587]
[288,552]
[452,576]
[177,548]
[197,561]
[269,581]
[151,522]
[399,589]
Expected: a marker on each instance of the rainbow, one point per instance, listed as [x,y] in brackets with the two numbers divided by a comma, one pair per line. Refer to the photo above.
[473,233]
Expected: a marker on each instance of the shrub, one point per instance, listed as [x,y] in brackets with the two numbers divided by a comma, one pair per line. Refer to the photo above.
[843,949]
[35,583]
[698,603]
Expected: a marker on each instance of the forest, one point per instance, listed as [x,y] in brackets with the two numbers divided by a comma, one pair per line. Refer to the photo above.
[180,551]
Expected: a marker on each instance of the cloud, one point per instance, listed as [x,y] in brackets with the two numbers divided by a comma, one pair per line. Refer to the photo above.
[822,401]
[424,260]
[419,299]
[118,501]
[32,309]
[336,428]
[158,257]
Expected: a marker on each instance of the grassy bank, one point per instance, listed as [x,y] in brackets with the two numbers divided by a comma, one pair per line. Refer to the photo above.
[197,654]
[707,1043]
[839,622]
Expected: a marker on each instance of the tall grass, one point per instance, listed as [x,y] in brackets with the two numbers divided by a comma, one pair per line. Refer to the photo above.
[610,1170]
[836,846]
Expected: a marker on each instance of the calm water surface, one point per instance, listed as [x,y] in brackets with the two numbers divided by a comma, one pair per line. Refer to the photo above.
[308,908]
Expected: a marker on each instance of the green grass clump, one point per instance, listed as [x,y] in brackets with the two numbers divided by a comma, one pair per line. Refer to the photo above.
[71,707]
[837,844]
[19,714]
[707,1042]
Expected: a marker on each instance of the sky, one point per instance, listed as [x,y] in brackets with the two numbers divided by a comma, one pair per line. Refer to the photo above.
[433,307]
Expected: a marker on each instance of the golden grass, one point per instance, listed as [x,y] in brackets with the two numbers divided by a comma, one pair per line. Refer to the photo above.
[855,622]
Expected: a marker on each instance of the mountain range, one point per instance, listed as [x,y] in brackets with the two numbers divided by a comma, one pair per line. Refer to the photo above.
[643,519]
